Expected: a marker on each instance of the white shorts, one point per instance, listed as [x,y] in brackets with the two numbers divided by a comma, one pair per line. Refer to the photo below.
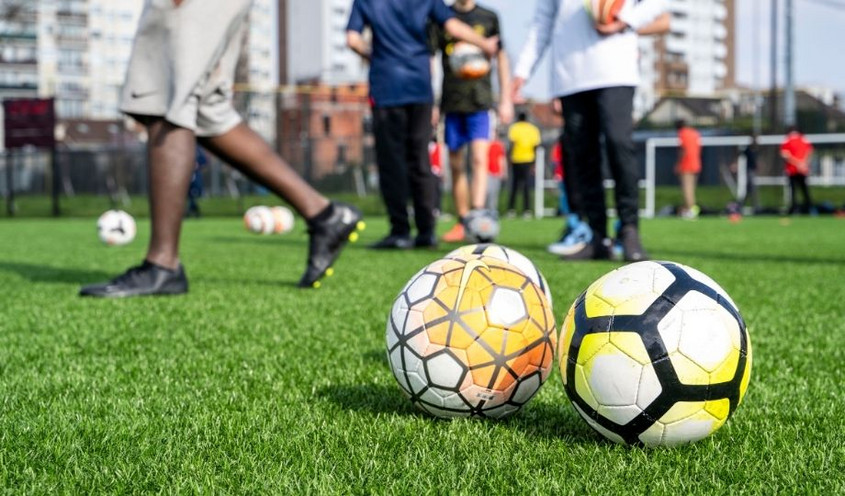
[183,63]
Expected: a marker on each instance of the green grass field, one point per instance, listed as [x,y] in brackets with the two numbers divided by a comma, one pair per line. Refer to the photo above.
[248,385]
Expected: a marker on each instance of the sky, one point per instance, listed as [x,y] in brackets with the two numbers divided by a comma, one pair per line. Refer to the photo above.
[818,53]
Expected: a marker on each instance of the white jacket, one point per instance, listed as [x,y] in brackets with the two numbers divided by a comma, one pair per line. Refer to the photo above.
[583,59]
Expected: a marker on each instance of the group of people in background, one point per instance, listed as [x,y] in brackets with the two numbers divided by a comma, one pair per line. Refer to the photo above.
[179,86]
[595,71]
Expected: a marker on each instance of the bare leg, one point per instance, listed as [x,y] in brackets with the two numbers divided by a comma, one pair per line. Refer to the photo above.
[460,185]
[245,150]
[171,162]
[480,157]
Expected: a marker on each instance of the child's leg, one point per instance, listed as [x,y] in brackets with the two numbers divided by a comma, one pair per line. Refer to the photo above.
[480,159]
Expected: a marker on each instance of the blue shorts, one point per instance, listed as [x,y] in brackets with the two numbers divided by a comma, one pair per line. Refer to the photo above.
[466,128]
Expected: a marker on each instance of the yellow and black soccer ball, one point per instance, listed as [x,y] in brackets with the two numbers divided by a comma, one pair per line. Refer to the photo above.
[655,353]
[470,336]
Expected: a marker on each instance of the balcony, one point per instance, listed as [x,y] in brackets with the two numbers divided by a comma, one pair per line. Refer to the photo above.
[19,35]
[72,69]
[18,61]
[69,17]
[19,86]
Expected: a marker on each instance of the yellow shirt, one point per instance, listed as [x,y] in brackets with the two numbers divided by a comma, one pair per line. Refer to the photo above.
[524,137]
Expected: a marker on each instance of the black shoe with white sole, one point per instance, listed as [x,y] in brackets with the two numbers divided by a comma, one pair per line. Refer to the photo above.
[147,279]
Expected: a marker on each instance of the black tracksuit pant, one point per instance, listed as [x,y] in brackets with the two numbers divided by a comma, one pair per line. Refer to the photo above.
[796,182]
[520,182]
[589,115]
[402,134]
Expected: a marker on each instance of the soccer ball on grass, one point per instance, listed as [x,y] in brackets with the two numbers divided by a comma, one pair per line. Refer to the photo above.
[470,336]
[655,353]
[116,228]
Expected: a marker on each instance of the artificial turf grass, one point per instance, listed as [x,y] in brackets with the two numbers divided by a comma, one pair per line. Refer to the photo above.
[249,385]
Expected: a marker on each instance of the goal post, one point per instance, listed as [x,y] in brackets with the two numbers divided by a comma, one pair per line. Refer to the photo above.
[828,167]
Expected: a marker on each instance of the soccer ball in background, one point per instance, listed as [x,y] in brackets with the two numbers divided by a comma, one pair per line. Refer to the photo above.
[284,220]
[470,336]
[482,226]
[604,11]
[260,220]
[116,227]
[510,256]
[468,61]
[655,353]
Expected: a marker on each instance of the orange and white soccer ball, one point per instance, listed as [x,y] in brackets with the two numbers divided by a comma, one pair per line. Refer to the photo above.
[470,336]
[604,11]
[260,220]
[116,227]
[468,61]
[655,353]
[284,220]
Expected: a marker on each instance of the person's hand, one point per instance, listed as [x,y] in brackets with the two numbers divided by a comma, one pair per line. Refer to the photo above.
[557,106]
[614,27]
[490,47]
[435,116]
[802,167]
[505,111]
[516,90]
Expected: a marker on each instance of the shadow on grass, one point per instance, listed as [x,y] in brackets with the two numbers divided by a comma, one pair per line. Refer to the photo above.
[539,420]
[747,257]
[372,398]
[553,422]
[241,281]
[47,273]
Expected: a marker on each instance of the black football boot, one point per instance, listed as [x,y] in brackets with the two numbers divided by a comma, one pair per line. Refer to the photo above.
[328,237]
[146,279]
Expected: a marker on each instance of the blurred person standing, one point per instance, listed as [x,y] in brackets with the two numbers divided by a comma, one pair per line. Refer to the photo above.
[524,139]
[750,153]
[466,104]
[402,98]
[497,168]
[436,159]
[595,71]
[688,167]
[195,189]
[560,177]
[179,85]
[796,152]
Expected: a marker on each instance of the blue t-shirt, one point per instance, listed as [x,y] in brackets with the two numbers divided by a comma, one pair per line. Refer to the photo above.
[400,65]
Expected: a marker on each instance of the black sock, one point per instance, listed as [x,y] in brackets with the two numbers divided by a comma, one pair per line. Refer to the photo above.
[324,215]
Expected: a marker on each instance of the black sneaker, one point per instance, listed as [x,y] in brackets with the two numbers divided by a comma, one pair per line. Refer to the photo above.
[393,242]
[598,249]
[632,248]
[144,280]
[327,239]
[426,241]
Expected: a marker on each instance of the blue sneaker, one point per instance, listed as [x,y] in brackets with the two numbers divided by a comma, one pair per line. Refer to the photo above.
[575,238]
